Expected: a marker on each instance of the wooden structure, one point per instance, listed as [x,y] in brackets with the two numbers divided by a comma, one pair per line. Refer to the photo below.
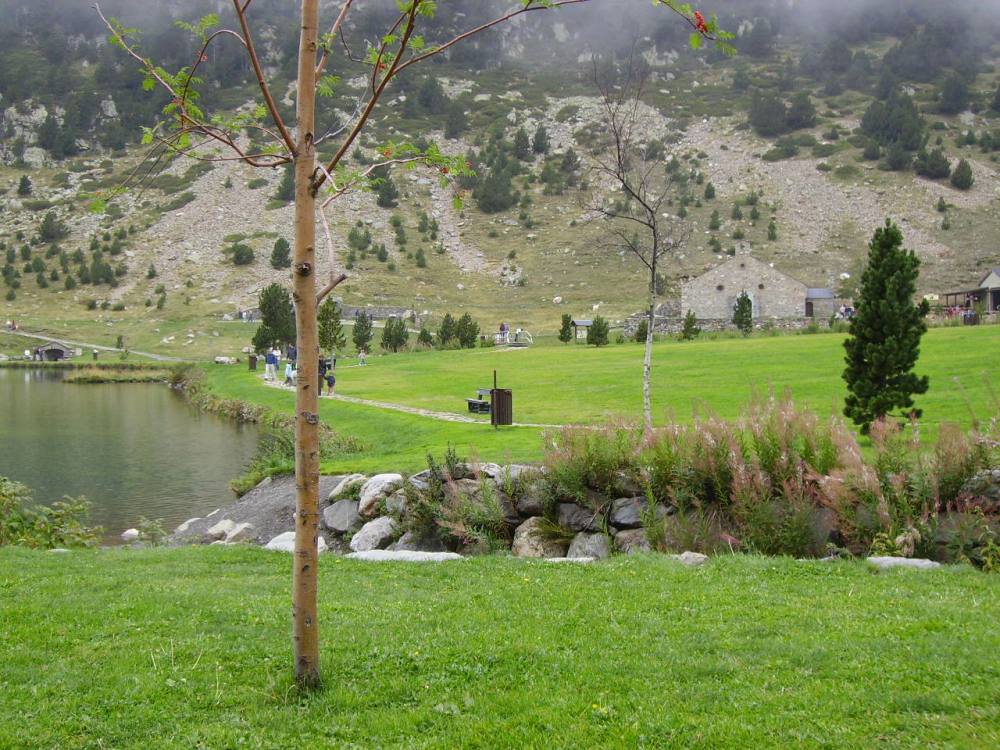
[580,328]
[987,293]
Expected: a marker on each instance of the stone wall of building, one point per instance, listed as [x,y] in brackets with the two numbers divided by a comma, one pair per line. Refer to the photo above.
[673,326]
[712,296]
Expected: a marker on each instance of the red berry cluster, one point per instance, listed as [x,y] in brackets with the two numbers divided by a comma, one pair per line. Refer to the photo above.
[699,22]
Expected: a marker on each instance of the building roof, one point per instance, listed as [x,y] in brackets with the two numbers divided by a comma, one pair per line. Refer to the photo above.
[991,272]
[816,292]
[55,345]
[583,323]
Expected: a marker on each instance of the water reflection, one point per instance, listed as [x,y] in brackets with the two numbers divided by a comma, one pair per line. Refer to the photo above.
[133,450]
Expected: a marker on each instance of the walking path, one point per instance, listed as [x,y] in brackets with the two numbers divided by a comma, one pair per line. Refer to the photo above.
[82,345]
[441,416]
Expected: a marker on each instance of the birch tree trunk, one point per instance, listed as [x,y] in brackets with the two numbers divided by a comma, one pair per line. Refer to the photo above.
[647,360]
[305,623]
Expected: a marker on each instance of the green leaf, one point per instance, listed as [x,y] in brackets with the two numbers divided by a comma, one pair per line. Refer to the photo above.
[148,83]
[695,40]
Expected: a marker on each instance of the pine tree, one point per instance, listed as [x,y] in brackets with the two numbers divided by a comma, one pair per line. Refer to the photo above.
[394,335]
[24,186]
[386,192]
[962,176]
[455,121]
[597,334]
[448,330]
[51,229]
[566,329]
[690,330]
[709,191]
[933,165]
[151,272]
[277,318]
[641,331]
[772,231]
[743,314]
[362,334]
[331,331]
[522,146]
[714,222]
[424,337]
[540,143]
[885,333]
[467,331]
[286,188]
[281,255]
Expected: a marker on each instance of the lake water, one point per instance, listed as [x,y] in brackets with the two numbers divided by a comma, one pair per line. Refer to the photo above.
[133,449]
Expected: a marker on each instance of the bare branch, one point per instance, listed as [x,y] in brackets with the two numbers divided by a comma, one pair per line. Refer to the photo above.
[261,82]
[332,35]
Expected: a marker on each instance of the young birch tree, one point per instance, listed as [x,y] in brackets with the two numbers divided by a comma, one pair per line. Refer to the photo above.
[189,130]
[636,218]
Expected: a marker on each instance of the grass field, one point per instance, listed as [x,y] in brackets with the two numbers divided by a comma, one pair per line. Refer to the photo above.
[495,653]
[556,384]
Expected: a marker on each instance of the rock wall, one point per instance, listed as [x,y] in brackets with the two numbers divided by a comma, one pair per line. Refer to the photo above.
[774,295]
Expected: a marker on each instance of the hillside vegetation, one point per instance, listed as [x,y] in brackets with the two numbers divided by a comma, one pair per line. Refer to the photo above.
[801,145]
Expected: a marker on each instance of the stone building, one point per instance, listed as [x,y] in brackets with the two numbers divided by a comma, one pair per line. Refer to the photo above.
[774,295]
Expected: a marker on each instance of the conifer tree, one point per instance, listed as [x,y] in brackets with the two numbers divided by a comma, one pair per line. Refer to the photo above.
[690,330]
[962,176]
[331,331]
[24,186]
[277,318]
[597,334]
[447,331]
[522,146]
[566,330]
[286,188]
[884,340]
[540,143]
[281,255]
[743,314]
[362,334]
[467,331]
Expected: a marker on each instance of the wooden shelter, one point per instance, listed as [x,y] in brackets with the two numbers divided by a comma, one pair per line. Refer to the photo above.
[580,328]
[986,293]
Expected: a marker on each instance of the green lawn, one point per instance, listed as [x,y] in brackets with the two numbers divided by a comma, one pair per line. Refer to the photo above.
[495,653]
[555,384]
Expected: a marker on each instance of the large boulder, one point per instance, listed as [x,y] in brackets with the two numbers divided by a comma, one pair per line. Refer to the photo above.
[411,541]
[985,488]
[632,541]
[286,543]
[377,534]
[577,518]
[342,516]
[374,491]
[531,502]
[691,559]
[626,512]
[345,484]
[587,545]
[385,555]
[396,503]
[531,541]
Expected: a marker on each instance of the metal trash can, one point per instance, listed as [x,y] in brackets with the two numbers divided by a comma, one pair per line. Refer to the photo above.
[253,362]
[501,407]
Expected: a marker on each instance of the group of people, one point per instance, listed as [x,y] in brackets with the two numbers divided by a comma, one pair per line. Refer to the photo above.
[272,362]
[11,325]
[845,312]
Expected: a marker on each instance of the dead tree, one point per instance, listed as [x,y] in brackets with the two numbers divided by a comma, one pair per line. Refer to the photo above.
[190,130]
[636,219]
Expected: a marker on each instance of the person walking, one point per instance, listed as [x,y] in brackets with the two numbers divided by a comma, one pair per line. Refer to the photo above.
[289,372]
[269,365]
[362,357]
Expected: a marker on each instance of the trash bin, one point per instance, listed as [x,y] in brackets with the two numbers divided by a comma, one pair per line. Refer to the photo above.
[501,407]
[253,362]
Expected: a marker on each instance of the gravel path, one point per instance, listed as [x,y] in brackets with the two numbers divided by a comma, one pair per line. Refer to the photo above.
[441,416]
[82,345]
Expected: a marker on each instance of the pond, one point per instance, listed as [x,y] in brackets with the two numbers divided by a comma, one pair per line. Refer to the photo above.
[132,449]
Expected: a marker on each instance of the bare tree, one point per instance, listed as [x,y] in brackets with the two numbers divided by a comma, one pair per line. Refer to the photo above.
[189,130]
[637,222]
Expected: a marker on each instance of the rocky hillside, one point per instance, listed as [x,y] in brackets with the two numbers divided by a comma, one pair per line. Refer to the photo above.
[806,198]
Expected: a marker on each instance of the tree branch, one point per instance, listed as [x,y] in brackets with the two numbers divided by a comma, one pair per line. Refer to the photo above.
[333,33]
[261,82]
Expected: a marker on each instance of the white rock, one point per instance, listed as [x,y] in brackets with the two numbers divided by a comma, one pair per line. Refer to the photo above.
[570,559]
[375,489]
[59,550]
[242,532]
[185,526]
[130,535]
[286,543]
[691,559]
[385,555]
[373,535]
[557,300]
[915,563]
[221,530]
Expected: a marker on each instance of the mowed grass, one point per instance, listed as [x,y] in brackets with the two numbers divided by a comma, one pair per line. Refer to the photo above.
[575,384]
[495,653]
